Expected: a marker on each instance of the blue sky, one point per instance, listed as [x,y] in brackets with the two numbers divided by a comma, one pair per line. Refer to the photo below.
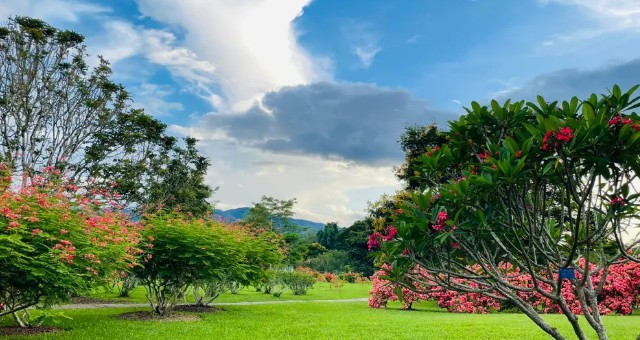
[306,99]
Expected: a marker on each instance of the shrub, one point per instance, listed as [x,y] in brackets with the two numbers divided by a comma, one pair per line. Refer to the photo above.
[180,252]
[351,277]
[298,282]
[57,242]
[210,256]
[620,292]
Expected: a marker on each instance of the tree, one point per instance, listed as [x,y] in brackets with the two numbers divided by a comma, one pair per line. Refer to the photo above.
[178,182]
[51,106]
[55,112]
[329,235]
[272,214]
[415,141]
[354,240]
[542,188]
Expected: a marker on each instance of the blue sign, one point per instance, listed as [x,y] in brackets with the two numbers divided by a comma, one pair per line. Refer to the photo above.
[567,273]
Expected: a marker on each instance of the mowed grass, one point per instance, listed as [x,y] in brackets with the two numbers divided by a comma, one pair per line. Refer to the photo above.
[317,320]
[320,291]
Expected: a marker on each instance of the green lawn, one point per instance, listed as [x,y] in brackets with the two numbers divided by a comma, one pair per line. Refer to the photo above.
[320,291]
[323,321]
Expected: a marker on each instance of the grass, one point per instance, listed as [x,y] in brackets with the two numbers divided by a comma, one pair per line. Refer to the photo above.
[320,291]
[316,320]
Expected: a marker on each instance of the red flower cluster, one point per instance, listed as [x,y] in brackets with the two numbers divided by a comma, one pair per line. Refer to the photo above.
[374,241]
[618,200]
[391,233]
[618,121]
[440,222]
[557,138]
[484,156]
[429,153]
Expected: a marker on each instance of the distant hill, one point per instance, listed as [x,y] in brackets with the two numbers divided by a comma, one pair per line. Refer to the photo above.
[233,215]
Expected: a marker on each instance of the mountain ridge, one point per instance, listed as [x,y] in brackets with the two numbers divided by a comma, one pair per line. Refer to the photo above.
[237,214]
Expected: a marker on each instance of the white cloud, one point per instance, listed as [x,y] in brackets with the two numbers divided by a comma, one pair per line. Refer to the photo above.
[326,190]
[50,10]
[364,41]
[608,16]
[252,43]
[124,40]
[151,97]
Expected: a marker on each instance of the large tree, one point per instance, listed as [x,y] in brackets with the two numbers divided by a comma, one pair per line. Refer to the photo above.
[52,105]
[57,112]
[540,189]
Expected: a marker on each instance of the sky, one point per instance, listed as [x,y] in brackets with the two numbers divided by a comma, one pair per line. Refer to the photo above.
[308,98]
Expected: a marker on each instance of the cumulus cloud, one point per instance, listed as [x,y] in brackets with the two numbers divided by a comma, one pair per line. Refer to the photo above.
[607,16]
[123,40]
[564,84]
[326,190]
[252,43]
[352,121]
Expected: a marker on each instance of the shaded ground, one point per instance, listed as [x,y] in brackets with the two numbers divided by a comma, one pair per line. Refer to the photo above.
[15,331]
[245,303]
[148,316]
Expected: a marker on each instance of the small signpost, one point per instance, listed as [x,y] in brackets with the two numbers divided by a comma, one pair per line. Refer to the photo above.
[567,273]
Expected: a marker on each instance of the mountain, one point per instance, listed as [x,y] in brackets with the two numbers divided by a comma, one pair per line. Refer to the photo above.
[233,215]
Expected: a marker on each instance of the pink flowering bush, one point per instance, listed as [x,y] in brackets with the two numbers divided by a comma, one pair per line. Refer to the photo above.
[620,293]
[57,241]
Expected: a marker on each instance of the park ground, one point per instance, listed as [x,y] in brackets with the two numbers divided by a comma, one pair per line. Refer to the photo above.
[311,319]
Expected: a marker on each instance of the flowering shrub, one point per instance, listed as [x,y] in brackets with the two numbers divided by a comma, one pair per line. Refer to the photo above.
[57,241]
[620,293]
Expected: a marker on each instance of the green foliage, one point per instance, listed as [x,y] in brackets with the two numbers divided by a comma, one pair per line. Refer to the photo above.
[54,244]
[80,122]
[182,252]
[332,261]
[299,282]
[272,214]
[353,240]
[329,236]
[537,186]
[415,141]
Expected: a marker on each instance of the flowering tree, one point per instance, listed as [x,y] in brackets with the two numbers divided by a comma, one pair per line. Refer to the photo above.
[56,242]
[546,188]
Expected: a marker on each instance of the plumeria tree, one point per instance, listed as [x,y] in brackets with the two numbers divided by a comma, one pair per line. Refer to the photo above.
[57,241]
[545,189]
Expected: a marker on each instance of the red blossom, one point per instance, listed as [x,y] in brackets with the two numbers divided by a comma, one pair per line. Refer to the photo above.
[374,241]
[391,233]
[618,200]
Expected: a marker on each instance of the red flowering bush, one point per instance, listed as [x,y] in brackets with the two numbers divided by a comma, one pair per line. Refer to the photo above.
[57,241]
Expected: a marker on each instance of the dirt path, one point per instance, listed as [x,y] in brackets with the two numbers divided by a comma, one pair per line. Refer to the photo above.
[246,303]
